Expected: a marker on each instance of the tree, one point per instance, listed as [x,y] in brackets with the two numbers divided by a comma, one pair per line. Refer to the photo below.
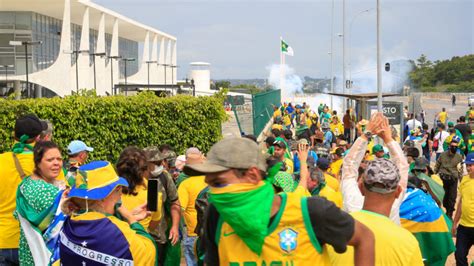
[224,84]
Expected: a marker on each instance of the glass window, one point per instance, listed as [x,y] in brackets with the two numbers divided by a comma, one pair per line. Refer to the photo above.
[23,20]
[7,20]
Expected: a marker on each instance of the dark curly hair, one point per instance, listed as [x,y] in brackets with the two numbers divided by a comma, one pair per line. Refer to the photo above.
[132,165]
[39,150]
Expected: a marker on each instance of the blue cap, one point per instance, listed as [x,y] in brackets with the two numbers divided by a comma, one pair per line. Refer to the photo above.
[77,146]
[469,158]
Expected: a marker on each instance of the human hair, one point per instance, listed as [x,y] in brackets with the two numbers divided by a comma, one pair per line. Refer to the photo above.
[132,165]
[38,153]
[164,147]
[462,119]
[348,111]
[276,132]
[269,140]
[444,109]
[288,134]
[48,130]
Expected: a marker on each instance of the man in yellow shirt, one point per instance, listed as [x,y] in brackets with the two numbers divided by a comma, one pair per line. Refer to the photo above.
[14,166]
[323,164]
[335,166]
[443,116]
[465,214]
[188,191]
[317,187]
[248,224]
[394,245]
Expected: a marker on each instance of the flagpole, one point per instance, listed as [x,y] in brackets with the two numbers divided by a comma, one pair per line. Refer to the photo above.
[282,70]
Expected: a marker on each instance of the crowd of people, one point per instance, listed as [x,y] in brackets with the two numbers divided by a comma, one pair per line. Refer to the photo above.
[318,189]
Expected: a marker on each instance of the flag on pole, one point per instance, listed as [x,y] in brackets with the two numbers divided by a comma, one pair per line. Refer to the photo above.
[286,49]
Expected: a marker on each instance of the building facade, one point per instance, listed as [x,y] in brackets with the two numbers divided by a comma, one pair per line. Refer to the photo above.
[76,44]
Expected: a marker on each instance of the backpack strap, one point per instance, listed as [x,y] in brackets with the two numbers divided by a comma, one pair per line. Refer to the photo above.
[18,167]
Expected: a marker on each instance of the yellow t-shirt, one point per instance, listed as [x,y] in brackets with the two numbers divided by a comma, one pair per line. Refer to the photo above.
[394,245]
[334,196]
[337,129]
[289,166]
[466,188]
[442,117]
[276,113]
[9,226]
[335,167]
[287,120]
[277,126]
[131,202]
[188,191]
[331,182]
[290,239]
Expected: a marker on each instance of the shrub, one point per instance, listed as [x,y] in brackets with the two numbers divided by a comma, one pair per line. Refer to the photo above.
[109,124]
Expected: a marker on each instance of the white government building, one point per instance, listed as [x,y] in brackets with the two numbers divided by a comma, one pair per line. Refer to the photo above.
[82,43]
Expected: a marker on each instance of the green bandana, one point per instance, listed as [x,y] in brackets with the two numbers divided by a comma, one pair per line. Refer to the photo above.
[20,146]
[246,208]
[271,173]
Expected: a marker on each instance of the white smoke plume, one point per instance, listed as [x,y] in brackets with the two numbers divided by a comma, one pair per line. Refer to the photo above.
[364,76]
[293,83]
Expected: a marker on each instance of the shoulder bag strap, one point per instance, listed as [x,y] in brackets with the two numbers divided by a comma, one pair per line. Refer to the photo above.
[18,166]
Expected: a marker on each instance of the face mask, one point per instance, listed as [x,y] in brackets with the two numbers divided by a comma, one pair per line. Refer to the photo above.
[157,171]
[453,149]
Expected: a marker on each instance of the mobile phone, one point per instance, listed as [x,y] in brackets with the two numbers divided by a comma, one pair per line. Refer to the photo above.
[152,195]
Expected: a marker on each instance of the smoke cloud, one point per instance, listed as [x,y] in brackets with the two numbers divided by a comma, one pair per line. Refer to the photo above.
[293,83]
[364,76]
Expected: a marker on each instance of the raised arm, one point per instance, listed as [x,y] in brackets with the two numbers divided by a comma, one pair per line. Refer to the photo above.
[352,198]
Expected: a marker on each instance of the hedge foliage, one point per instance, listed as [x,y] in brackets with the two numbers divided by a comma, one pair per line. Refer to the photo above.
[112,123]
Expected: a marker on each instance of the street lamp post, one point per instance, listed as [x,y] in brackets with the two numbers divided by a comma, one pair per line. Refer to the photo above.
[76,53]
[350,40]
[164,66]
[125,60]
[379,63]
[26,43]
[172,72]
[93,61]
[116,57]
[332,57]
[148,71]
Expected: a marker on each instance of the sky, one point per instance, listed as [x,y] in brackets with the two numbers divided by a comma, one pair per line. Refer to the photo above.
[240,38]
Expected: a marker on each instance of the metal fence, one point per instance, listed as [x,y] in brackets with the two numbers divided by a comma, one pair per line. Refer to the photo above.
[262,108]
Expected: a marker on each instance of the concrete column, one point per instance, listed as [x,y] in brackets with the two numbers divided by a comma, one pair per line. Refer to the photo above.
[17,88]
[154,57]
[38,91]
[161,61]
[114,51]
[84,58]
[102,72]
[174,63]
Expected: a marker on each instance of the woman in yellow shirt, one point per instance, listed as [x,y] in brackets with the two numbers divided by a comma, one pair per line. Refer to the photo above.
[336,126]
[132,165]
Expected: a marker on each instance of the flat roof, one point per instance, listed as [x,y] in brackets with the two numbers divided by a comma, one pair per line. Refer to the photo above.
[363,96]
[128,28]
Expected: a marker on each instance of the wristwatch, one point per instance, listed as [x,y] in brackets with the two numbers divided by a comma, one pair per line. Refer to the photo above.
[368,135]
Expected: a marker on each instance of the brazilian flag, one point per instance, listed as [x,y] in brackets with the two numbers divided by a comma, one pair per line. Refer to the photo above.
[420,215]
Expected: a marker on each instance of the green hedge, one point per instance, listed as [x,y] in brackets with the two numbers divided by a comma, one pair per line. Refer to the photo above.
[112,123]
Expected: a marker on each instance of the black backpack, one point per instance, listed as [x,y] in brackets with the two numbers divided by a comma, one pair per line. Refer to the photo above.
[201,205]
